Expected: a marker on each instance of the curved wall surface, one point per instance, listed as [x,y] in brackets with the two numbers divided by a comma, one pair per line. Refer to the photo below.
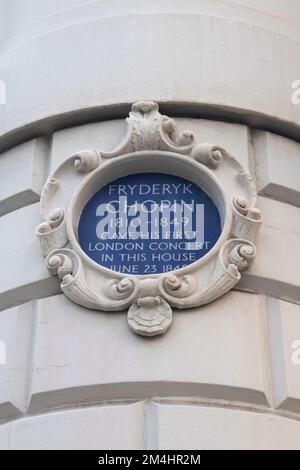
[226,375]
[213,57]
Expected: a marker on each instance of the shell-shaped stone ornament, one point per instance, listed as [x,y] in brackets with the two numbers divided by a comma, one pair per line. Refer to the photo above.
[150,316]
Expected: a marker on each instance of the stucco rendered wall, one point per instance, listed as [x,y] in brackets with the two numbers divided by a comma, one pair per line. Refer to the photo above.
[226,375]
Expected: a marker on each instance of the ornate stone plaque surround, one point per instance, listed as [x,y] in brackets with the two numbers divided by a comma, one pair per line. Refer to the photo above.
[152,144]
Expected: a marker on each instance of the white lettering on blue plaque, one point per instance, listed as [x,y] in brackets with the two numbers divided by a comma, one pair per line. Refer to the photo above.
[148,223]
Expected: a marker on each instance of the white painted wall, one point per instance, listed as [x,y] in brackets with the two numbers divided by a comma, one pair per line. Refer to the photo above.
[212,55]
[228,372]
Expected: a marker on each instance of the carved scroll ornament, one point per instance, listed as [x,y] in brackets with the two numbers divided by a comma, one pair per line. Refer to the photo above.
[149,298]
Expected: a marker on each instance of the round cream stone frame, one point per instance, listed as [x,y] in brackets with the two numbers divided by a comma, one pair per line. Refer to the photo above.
[152,144]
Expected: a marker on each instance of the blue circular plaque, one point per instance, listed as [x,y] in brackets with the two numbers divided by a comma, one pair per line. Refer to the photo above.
[148,223]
